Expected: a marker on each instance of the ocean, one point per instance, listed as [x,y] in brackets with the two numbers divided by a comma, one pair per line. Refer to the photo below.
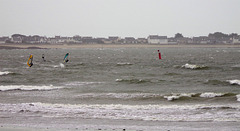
[121,89]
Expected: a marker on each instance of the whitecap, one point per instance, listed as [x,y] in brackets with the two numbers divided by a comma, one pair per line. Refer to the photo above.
[119,95]
[62,65]
[124,63]
[211,94]
[56,66]
[234,82]
[177,96]
[196,112]
[238,97]
[119,80]
[171,98]
[236,66]
[191,66]
[27,87]
[79,83]
[4,73]
[187,94]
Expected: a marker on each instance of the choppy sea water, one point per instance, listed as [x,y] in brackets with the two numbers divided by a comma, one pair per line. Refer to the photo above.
[120,84]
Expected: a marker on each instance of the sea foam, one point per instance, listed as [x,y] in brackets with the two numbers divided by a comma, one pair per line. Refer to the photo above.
[4,73]
[238,97]
[124,63]
[191,66]
[195,112]
[27,87]
[178,96]
[234,82]
[211,95]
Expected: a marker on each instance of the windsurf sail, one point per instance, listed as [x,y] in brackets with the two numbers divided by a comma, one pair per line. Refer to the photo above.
[159,55]
[30,61]
[66,58]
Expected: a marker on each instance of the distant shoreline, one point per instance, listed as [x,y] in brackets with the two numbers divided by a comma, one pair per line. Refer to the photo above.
[68,46]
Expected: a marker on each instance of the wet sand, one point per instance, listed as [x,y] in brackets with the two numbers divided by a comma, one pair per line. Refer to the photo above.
[121,125]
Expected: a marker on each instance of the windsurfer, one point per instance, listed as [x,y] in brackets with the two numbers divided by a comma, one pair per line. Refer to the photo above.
[66,58]
[43,57]
[30,61]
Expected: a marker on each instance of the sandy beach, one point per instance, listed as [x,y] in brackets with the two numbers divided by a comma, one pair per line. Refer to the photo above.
[69,46]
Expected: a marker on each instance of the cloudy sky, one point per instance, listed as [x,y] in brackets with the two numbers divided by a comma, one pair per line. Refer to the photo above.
[103,18]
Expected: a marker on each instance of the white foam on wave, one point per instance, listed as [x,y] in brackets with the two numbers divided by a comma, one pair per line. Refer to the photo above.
[191,66]
[189,112]
[119,95]
[236,66]
[61,65]
[234,82]
[79,83]
[27,87]
[211,94]
[124,63]
[4,72]
[238,97]
[119,80]
[177,96]
[171,98]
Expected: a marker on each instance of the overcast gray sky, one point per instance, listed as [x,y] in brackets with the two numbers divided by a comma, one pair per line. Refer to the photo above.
[103,18]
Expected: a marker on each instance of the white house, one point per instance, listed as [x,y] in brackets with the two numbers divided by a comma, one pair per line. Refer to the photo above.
[236,40]
[155,39]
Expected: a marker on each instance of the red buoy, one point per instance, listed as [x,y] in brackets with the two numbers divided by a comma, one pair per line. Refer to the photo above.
[159,55]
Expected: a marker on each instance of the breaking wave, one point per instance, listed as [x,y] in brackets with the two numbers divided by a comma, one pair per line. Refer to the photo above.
[211,95]
[226,82]
[28,87]
[194,67]
[238,97]
[216,82]
[124,96]
[236,66]
[124,64]
[196,112]
[188,96]
[175,96]
[234,82]
[79,83]
[157,97]
[137,81]
[61,65]
[5,73]
[132,80]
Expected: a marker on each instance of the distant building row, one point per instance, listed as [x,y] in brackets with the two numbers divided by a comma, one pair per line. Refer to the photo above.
[151,39]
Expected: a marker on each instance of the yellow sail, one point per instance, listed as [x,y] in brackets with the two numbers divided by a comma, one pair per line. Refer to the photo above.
[29,62]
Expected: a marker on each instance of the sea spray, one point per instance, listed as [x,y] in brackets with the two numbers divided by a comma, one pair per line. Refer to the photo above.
[62,65]
[234,82]
[4,73]
[28,87]
[193,67]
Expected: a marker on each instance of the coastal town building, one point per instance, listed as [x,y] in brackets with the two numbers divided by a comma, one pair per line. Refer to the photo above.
[201,40]
[215,38]
[172,41]
[129,40]
[114,39]
[142,40]
[155,39]
[4,39]
[236,40]
[184,40]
